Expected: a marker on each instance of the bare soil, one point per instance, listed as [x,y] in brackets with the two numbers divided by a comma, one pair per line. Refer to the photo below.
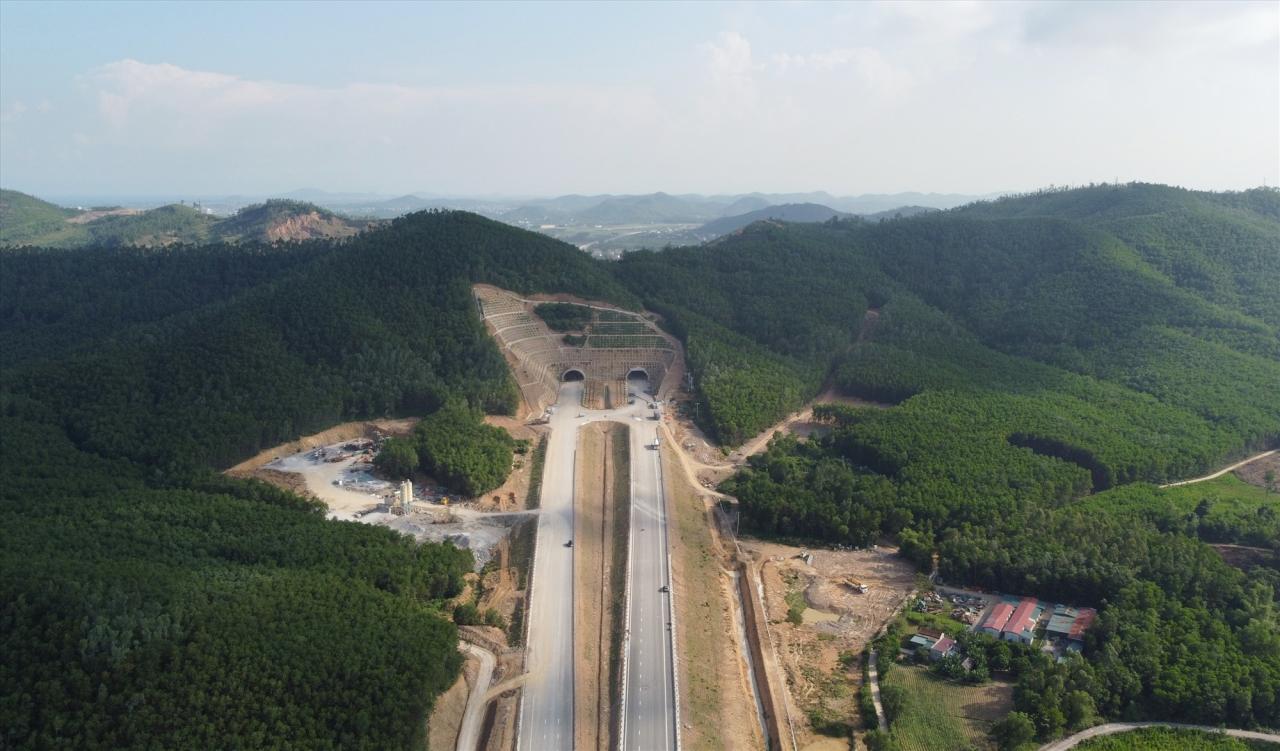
[344,432]
[1245,557]
[837,619]
[717,710]
[446,716]
[1256,472]
[92,216]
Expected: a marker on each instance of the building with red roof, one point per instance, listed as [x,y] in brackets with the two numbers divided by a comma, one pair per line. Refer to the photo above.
[995,621]
[1021,625]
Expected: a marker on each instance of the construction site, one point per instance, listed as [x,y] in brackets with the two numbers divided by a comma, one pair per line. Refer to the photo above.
[615,345]
[616,380]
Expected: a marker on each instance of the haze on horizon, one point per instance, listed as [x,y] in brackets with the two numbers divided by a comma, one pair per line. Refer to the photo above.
[538,99]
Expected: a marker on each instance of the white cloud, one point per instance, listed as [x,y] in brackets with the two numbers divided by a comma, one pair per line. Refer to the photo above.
[867,64]
[13,112]
[878,97]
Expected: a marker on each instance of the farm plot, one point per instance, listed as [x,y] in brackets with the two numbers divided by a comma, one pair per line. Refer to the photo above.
[936,714]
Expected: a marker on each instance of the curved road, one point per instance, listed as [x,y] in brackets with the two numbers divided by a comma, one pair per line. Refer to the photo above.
[1222,471]
[1122,727]
[473,717]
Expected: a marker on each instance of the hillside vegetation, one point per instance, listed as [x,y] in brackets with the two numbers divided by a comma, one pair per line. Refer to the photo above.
[26,220]
[1046,356]
[1035,359]
[149,603]
[791,212]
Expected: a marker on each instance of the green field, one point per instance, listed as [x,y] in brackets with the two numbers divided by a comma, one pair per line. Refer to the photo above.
[937,714]
[1166,739]
[1224,510]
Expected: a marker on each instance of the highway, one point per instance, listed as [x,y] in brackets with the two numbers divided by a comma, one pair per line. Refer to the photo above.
[649,711]
[546,704]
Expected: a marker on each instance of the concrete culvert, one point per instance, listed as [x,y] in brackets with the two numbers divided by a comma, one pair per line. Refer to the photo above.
[638,374]
[573,374]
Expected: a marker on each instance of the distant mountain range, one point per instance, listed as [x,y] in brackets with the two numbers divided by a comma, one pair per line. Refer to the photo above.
[573,209]
[601,223]
[27,220]
[789,212]
[664,208]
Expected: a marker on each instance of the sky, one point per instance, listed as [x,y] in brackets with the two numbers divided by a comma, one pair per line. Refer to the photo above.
[205,99]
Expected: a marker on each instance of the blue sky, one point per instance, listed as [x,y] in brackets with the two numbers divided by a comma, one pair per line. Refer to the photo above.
[528,98]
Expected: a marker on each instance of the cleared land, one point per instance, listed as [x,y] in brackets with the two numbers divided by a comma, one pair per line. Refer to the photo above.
[834,619]
[1255,473]
[446,716]
[937,714]
[716,705]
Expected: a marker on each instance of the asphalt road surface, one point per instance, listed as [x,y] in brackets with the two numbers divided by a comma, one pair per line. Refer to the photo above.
[649,713]
[649,692]
[546,705]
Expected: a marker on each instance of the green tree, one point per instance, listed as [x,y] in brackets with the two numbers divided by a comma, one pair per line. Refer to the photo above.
[398,458]
[1013,731]
[1081,712]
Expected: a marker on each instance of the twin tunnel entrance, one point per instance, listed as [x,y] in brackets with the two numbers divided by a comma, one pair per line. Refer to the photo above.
[576,374]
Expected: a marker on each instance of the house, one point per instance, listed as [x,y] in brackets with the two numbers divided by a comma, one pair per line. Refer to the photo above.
[1021,625]
[921,641]
[942,647]
[995,621]
[1061,621]
[1082,624]
[1070,623]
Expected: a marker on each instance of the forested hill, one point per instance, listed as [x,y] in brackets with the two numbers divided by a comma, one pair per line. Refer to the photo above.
[1035,353]
[149,603]
[29,221]
[1031,352]
[791,212]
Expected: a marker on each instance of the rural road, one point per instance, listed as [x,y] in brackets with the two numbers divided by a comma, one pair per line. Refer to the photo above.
[873,678]
[649,711]
[1121,727]
[546,703]
[1222,471]
[473,717]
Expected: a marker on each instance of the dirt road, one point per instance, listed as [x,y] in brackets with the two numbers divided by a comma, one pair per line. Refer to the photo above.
[1121,727]
[873,678]
[473,718]
[1222,471]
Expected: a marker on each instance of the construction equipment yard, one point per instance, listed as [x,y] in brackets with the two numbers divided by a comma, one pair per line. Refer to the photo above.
[822,604]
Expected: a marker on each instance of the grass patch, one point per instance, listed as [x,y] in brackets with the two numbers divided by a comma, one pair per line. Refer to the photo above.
[933,714]
[706,624]
[944,623]
[1223,510]
[620,458]
[796,604]
[1168,739]
[523,538]
[534,497]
